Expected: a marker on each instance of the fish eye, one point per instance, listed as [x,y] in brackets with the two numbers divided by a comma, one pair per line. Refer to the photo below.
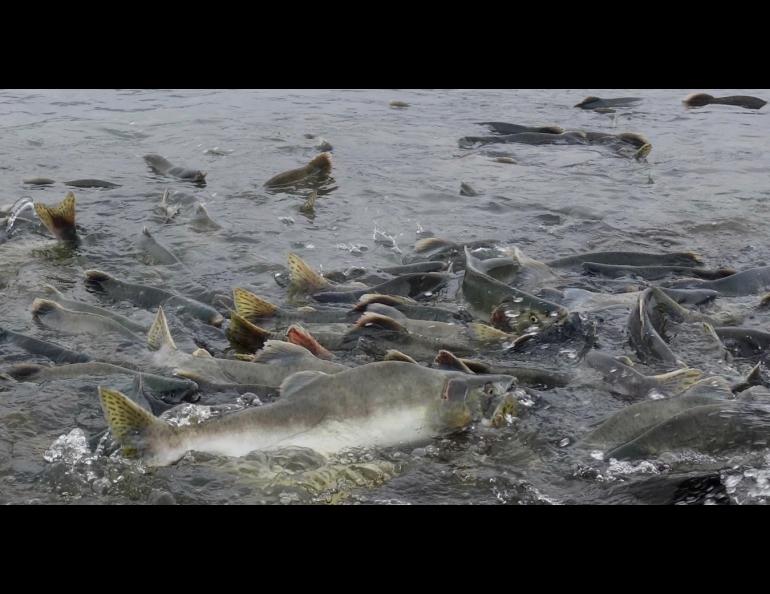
[533,318]
[489,389]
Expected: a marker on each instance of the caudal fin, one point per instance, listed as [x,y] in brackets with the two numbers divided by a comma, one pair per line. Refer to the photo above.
[131,425]
[643,151]
[248,305]
[59,219]
[303,278]
[246,335]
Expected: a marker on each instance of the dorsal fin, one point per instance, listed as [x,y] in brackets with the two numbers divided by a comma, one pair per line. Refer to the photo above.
[476,366]
[44,306]
[250,306]
[24,371]
[51,290]
[374,319]
[387,310]
[275,350]
[394,355]
[296,334]
[297,381]
[430,243]
[303,278]
[322,162]
[754,378]
[159,335]
[391,300]
[484,333]
[448,360]
[677,381]
[59,219]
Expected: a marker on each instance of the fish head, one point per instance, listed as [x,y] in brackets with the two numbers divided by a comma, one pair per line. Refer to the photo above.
[469,399]
[521,317]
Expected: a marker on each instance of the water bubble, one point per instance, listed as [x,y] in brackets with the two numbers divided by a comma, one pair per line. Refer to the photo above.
[70,448]
[597,455]
[655,394]
[518,299]
[564,442]
[286,220]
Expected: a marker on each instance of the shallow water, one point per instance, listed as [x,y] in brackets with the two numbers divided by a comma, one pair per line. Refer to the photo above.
[396,171]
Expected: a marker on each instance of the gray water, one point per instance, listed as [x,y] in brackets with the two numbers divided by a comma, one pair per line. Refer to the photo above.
[703,189]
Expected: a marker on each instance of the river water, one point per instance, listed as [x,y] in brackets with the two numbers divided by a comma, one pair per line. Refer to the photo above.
[703,188]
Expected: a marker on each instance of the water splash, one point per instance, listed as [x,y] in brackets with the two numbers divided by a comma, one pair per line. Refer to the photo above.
[18,207]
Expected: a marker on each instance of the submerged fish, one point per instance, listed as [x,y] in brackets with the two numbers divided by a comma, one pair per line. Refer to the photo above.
[485,293]
[35,346]
[156,251]
[719,428]
[634,420]
[379,404]
[740,284]
[151,297]
[505,128]
[687,259]
[598,103]
[702,99]
[56,295]
[179,388]
[162,166]
[53,315]
[318,169]
[625,380]
[654,272]
[91,183]
[276,361]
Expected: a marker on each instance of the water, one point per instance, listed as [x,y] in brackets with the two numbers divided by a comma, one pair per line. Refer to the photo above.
[397,172]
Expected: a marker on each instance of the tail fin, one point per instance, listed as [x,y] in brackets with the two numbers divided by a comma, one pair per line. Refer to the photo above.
[677,381]
[159,336]
[308,207]
[643,151]
[129,422]
[304,278]
[248,305]
[59,219]
[243,333]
